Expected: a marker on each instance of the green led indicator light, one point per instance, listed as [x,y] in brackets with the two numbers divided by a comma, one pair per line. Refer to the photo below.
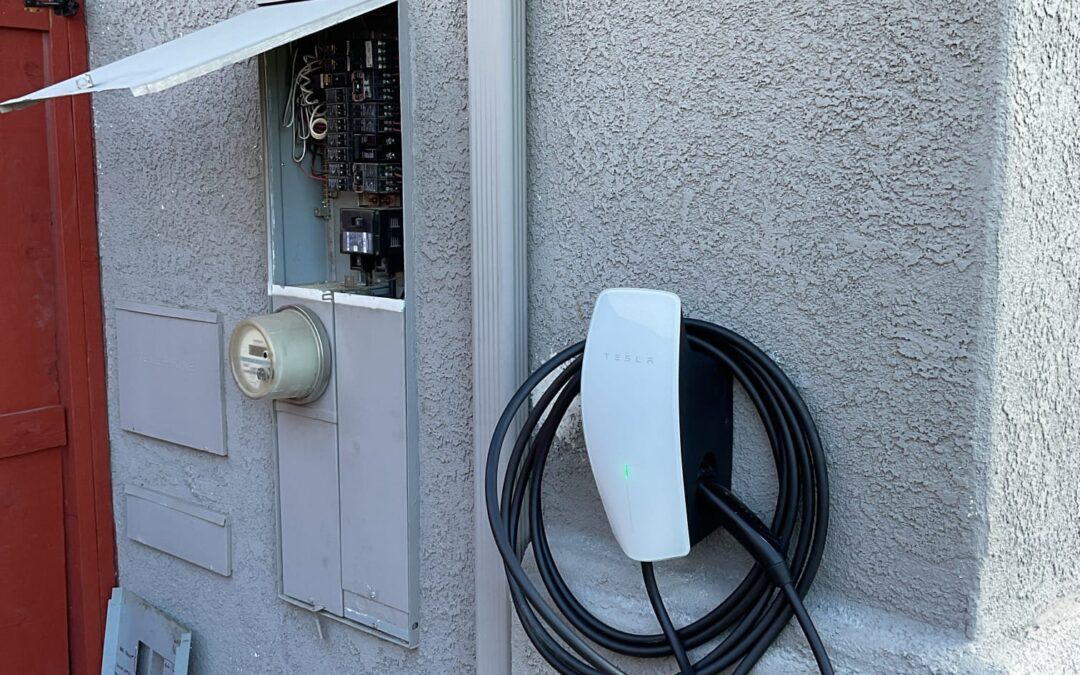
[626,471]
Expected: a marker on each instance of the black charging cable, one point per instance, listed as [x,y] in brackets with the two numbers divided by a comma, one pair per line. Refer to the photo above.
[786,553]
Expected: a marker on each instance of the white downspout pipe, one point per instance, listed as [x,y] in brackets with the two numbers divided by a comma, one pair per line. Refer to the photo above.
[496,51]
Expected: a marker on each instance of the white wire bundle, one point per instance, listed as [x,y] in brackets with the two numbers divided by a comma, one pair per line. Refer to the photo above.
[312,122]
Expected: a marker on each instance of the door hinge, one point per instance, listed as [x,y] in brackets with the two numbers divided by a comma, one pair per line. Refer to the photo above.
[61,7]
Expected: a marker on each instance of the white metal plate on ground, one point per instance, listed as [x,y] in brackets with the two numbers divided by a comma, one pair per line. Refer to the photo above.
[140,638]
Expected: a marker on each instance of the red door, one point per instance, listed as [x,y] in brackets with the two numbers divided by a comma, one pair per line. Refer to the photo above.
[57,559]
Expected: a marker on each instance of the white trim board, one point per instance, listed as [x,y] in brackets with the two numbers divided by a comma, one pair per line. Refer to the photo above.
[496,45]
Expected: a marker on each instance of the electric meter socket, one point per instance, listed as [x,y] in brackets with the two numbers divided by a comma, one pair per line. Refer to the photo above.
[284,355]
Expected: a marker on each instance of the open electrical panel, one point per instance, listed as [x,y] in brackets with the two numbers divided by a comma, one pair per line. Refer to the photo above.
[334,101]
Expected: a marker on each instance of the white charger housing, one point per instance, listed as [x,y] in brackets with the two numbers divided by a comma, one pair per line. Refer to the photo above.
[631,417]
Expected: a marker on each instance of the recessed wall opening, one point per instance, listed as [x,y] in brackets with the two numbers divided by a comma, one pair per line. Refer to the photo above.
[333,119]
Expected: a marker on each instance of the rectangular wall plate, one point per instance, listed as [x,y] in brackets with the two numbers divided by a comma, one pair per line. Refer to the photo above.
[310,510]
[169,370]
[378,544]
[178,527]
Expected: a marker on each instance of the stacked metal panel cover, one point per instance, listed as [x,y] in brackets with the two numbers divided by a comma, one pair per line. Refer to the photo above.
[347,476]
[348,502]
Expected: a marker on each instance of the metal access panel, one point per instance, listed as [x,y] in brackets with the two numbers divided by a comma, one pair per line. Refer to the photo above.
[347,463]
[178,527]
[378,544]
[347,494]
[310,511]
[170,382]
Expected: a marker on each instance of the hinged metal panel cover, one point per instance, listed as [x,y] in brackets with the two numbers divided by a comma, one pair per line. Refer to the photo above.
[206,50]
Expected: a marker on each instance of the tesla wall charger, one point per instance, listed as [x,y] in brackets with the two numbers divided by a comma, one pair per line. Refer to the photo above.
[655,414]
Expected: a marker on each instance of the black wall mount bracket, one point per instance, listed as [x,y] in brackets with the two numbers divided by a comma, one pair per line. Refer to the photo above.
[705,412]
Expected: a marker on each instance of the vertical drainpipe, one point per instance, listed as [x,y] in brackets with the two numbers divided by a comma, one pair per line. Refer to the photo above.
[496,51]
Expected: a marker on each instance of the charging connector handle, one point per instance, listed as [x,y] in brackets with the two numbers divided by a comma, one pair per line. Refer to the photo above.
[566,633]
[741,522]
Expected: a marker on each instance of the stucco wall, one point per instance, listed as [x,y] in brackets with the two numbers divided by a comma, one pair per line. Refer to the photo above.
[826,178]
[182,223]
[884,198]
[866,190]
[1031,577]
[814,176]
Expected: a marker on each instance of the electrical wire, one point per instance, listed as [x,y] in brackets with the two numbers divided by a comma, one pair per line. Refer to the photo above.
[787,552]
[303,111]
[807,625]
[657,602]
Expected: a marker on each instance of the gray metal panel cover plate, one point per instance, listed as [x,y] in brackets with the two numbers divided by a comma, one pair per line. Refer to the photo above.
[170,375]
[204,51]
[180,528]
[310,512]
[375,499]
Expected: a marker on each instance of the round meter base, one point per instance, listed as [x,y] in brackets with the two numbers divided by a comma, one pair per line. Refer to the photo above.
[284,355]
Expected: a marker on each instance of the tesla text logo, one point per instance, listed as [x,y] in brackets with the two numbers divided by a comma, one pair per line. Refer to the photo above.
[636,359]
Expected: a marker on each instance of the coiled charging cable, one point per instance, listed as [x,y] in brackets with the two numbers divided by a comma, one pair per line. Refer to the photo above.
[787,552]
